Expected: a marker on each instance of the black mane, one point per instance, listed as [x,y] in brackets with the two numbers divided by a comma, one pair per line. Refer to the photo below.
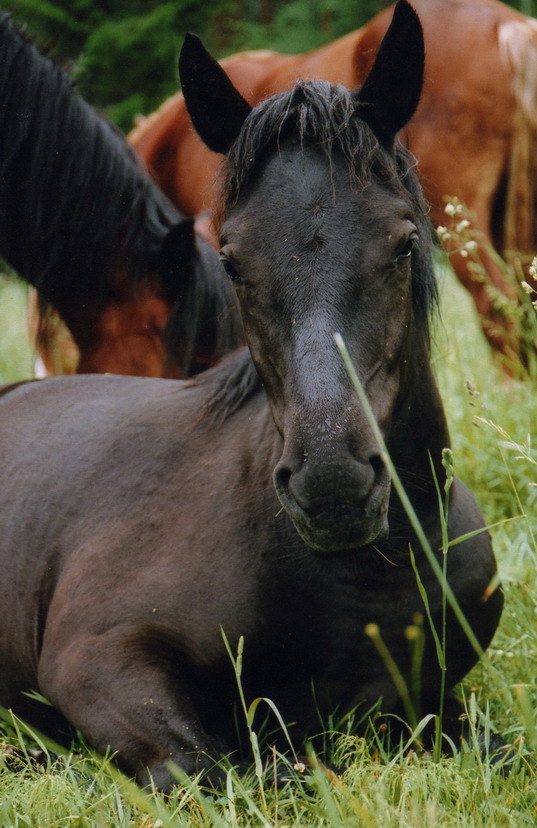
[73,197]
[318,112]
[236,382]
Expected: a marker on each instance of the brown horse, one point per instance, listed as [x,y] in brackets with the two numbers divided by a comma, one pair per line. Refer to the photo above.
[130,339]
[142,517]
[474,131]
[82,222]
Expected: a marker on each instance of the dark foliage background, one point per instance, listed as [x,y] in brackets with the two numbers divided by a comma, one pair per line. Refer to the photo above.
[123,52]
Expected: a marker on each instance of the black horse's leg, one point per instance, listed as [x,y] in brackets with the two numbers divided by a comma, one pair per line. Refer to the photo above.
[124,700]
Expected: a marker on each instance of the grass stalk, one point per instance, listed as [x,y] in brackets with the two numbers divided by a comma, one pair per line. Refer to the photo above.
[403,497]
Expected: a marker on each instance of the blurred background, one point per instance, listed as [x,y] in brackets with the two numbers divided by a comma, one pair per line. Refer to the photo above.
[123,53]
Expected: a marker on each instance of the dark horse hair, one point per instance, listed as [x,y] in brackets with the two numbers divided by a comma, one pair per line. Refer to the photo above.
[64,237]
[317,112]
[81,220]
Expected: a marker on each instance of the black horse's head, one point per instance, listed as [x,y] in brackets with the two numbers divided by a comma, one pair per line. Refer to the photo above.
[323,230]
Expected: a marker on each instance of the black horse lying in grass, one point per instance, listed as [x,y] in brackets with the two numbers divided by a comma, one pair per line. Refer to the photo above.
[141,517]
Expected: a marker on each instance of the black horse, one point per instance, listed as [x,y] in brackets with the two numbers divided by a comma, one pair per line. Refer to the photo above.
[141,517]
[82,222]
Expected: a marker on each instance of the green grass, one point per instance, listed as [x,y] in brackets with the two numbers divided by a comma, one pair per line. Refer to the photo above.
[16,354]
[493,421]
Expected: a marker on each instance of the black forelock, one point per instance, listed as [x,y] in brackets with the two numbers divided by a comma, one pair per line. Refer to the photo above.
[317,112]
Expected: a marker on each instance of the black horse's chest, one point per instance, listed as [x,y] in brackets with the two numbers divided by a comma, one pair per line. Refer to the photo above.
[313,650]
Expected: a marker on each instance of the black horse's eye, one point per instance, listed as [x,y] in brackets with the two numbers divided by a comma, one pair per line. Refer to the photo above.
[230,269]
[405,251]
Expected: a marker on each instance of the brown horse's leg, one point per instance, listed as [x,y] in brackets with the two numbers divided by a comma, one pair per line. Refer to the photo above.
[123,697]
[493,296]
[479,269]
[517,40]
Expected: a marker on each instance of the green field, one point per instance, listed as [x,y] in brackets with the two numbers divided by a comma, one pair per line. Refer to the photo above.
[493,422]
[16,356]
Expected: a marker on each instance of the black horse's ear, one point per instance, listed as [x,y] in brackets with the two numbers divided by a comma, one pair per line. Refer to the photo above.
[217,109]
[178,250]
[391,91]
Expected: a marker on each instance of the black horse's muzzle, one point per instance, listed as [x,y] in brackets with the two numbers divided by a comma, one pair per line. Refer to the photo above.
[336,506]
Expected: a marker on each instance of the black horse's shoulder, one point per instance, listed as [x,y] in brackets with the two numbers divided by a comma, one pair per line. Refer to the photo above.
[5,389]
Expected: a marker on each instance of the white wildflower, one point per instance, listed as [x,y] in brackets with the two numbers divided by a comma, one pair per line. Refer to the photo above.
[462,225]
[450,209]
[443,233]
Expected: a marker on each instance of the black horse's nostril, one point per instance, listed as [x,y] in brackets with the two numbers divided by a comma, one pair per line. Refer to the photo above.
[377,464]
[293,486]
[282,476]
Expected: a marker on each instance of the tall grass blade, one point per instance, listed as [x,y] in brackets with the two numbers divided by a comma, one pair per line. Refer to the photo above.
[403,497]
